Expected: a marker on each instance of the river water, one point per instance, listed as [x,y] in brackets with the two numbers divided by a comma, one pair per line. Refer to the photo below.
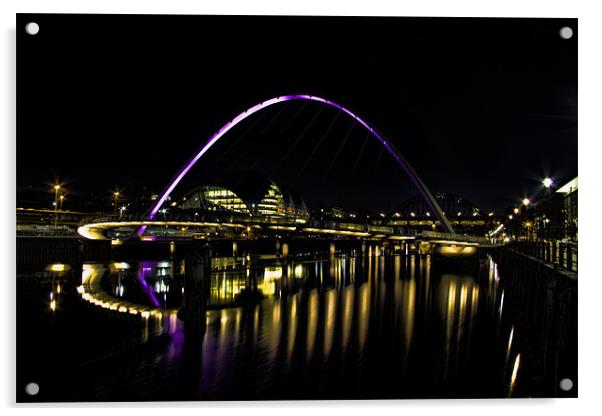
[342,327]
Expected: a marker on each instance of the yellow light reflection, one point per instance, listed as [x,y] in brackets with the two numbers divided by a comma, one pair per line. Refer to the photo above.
[121,265]
[348,298]
[331,307]
[292,326]
[514,374]
[364,314]
[457,251]
[298,271]
[409,308]
[58,267]
[273,272]
[312,322]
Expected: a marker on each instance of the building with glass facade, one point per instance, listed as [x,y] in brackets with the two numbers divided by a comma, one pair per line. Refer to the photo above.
[247,194]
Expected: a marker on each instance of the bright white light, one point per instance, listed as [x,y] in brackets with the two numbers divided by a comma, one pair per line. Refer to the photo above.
[547,182]
[526,201]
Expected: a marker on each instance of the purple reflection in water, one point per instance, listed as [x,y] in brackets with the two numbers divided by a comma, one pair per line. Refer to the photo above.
[143,269]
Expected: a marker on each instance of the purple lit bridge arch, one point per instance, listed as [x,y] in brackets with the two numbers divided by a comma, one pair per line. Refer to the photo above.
[403,163]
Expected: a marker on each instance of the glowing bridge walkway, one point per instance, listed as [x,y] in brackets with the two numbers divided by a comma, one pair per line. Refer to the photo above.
[250,228]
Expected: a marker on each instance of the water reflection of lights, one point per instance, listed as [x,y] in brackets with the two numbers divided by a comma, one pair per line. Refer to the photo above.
[348,302]
[312,321]
[331,308]
[121,265]
[317,322]
[292,326]
[408,288]
[299,271]
[457,250]
[459,301]
[141,274]
[364,314]
[514,375]
[272,273]
[502,302]
[161,286]
[91,292]
[54,295]
[59,267]
[87,271]
[267,286]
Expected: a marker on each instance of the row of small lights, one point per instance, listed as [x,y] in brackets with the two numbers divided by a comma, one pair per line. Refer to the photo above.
[124,308]
[116,306]
[547,183]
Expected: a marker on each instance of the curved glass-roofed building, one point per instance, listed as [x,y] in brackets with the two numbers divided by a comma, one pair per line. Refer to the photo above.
[249,194]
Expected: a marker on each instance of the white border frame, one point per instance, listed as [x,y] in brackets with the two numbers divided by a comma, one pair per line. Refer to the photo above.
[590,132]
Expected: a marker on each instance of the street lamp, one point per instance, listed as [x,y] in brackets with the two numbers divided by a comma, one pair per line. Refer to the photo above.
[56,202]
[116,195]
[62,197]
[526,202]
[547,182]
[516,210]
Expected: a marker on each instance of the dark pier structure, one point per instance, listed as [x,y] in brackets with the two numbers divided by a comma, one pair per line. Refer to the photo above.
[543,300]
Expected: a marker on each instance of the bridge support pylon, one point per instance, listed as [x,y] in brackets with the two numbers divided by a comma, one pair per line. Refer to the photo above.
[196,287]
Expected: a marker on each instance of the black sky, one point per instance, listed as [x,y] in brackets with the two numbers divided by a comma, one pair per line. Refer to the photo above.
[483,108]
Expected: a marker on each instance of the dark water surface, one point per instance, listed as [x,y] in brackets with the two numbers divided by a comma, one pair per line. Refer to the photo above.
[345,327]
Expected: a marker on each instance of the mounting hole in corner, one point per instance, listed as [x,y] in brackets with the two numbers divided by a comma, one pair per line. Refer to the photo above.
[32,389]
[32,28]
[566,32]
[566,384]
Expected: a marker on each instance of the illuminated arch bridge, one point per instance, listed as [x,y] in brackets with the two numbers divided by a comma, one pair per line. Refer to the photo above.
[401,161]
[99,229]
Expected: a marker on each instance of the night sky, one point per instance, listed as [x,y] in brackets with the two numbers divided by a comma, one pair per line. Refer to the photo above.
[483,108]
